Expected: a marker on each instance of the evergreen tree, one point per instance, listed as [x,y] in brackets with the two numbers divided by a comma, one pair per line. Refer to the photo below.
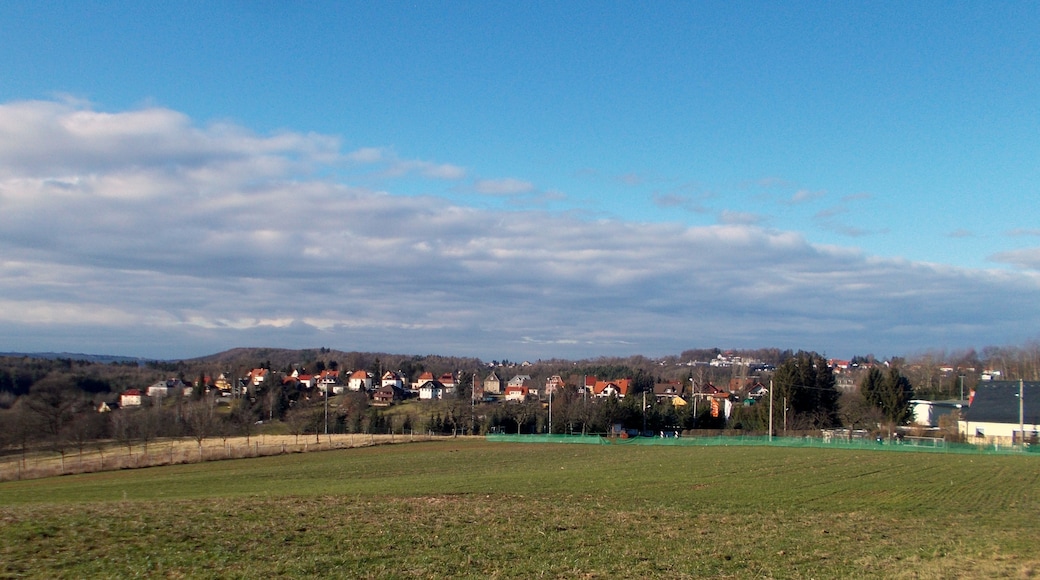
[890,393]
[808,384]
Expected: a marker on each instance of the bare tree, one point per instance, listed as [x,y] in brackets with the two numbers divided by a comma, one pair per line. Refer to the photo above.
[244,415]
[149,421]
[124,428]
[84,429]
[522,412]
[456,409]
[299,419]
[199,418]
[19,426]
[856,413]
[56,400]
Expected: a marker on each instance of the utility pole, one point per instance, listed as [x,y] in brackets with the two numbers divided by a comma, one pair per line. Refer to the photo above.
[326,408]
[693,395]
[770,410]
[1021,412]
[644,412]
[550,408]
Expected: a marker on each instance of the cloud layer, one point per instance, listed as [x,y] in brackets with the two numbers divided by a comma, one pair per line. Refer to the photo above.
[145,233]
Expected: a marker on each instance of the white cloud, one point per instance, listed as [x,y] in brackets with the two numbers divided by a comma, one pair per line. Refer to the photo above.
[804,195]
[1028,258]
[187,249]
[505,186]
[737,217]
[366,155]
[1019,232]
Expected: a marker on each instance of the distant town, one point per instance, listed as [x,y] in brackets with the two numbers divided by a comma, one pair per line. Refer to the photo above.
[60,402]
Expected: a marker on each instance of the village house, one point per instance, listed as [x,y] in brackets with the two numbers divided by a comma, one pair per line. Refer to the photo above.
[517,393]
[391,379]
[431,391]
[387,395]
[519,381]
[257,377]
[303,380]
[449,382]
[493,384]
[360,380]
[222,383]
[553,384]
[423,378]
[330,379]
[757,391]
[671,392]
[130,398]
[929,413]
[619,388]
[1002,412]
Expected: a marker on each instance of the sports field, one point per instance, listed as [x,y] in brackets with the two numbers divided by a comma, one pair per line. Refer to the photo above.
[479,509]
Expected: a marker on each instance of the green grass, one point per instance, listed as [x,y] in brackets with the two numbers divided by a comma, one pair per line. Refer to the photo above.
[477,509]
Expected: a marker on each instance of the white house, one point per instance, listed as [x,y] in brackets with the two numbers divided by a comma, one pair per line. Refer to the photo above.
[329,379]
[130,398]
[158,389]
[927,413]
[431,391]
[392,379]
[518,394]
[360,381]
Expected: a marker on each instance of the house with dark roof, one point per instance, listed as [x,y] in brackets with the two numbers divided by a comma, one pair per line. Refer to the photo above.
[431,391]
[387,395]
[1000,411]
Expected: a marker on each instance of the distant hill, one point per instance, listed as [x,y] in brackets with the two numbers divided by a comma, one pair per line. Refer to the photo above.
[280,358]
[76,356]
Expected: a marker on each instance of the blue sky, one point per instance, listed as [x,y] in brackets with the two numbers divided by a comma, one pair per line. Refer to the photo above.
[519,181]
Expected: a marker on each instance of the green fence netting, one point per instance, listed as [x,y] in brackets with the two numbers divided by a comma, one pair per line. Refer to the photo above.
[913,445]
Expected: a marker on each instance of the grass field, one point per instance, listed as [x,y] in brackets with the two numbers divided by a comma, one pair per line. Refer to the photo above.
[471,508]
